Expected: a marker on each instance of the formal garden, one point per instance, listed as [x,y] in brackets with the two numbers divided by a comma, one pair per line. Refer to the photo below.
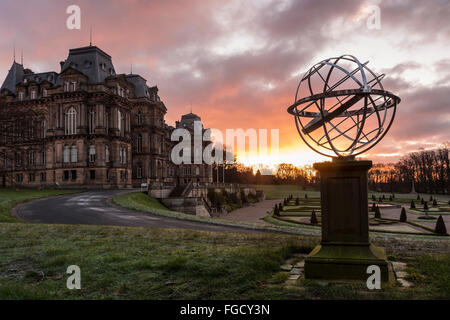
[389,213]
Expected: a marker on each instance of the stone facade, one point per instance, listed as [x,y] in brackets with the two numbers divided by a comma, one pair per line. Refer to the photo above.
[85,127]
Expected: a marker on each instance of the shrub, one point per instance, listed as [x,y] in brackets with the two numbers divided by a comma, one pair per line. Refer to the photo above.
[440,226]
[412,205]
[313,217]
[403,217]
[377,213]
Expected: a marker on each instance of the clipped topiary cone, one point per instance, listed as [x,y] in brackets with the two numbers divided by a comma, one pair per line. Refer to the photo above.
[280,207]
[306,196]
[384,197]
[313,217]
[422,201]
[403,215]
[297,201]
[431,198]
[377,213]
[390,198]
[374,207]
[276,211]
[418,197]
[393,196]
[412,205]
[440,226]
[435,203]
[374,198]
[380,200]
[425,206]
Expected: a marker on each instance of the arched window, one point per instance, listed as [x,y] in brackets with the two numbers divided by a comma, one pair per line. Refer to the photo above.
[91,153]
[139,143]
[66,154]
[107,153]
[71,121]
[74,154]
[139,118]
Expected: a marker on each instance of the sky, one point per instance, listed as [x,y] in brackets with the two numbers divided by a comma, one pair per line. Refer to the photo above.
[237,64]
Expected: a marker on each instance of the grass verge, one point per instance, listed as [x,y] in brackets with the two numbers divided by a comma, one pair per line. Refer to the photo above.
[9,198]
[141,202]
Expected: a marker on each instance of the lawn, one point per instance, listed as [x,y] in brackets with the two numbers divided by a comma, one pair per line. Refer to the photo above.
[281,191]
[153,263]
[10,198]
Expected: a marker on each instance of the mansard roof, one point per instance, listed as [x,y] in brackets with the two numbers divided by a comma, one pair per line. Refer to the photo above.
[51,77]
[15,76]
[91,61]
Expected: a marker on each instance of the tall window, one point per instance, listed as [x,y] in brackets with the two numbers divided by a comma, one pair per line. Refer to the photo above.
[71,121]
[107,153]
[66,154]
[107,122]
[43,157]
[66,86]
[21,95]
[91,153]
[139,172]
[119,121]
[44,92]
[33,94]
[30,157]
[139,118]
[43,129]
[91,122]
[123,155]
[74,154]
[73,86]
[139,143]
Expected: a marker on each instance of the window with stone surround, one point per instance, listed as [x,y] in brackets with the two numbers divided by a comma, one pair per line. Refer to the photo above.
[71,121]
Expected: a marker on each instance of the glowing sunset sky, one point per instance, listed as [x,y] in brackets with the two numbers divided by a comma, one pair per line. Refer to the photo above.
[237,63]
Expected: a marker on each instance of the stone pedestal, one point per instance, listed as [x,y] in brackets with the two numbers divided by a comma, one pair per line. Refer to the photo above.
[345,251]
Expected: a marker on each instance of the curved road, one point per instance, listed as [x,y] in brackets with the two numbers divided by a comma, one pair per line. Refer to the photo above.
[94,207]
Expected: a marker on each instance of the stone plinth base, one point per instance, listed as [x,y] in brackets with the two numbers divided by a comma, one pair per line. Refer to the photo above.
[345,262]
[345,251]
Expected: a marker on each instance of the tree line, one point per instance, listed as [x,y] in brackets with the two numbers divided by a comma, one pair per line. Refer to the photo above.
[284,173]
[426,171]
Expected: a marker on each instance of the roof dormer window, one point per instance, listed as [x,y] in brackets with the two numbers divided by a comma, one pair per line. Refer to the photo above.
[73,86]
[21,95]
[33,94]
[44,92]
[66,86]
